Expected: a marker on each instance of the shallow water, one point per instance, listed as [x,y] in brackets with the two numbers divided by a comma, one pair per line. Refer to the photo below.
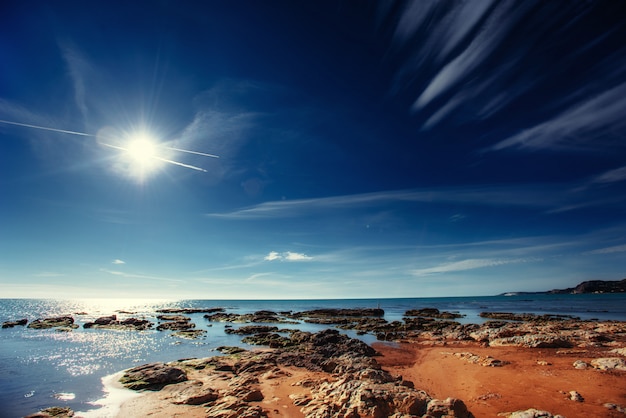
[42,368]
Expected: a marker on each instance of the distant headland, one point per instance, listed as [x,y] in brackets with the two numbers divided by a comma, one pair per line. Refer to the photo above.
[590,286]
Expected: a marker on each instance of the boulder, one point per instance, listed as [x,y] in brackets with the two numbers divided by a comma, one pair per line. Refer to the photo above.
[55,411]
[609,363]
[111,322]
[190,393]
[11,324]
[59,321]
[152,376]
[173,318]
[176,326]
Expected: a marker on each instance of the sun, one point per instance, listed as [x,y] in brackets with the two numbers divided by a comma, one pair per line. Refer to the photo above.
[142,149]
[142,155]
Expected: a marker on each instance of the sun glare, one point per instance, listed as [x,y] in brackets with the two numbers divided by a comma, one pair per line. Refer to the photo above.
[142,149]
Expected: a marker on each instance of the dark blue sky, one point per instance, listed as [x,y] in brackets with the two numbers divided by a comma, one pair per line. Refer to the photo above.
[366,149]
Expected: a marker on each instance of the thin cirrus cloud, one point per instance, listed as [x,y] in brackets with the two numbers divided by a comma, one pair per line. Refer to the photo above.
[609,250]
[468,264]
[599,115]
[538,196]
[287,256]
[117,261]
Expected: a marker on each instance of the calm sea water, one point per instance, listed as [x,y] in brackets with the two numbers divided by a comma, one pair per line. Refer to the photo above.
[42,368]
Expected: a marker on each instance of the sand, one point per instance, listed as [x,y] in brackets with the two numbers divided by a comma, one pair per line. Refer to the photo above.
[532,378]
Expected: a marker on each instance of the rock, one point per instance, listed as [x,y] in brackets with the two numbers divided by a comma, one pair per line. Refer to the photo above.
[531,413]
[11,324]
[615,407]
[152,376]
[55,411]
[180,318]
[580,365]
[59,321]
[575,396]
[432,313]
[190,334]
[111,322]
[609,363]
[176,326]
[251,329]
[620,351]
[190,393]
[316,313]
[189,310]
[105,320]
[230,349]
[449,407]
[532,341]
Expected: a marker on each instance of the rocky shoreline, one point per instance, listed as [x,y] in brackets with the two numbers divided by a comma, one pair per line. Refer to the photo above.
[349,380]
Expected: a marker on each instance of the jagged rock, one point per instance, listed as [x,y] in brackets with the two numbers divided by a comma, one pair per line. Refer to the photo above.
[55,411]
[152,375]
[190,393]
[251,329]
[449,407]
[433,313]
[575,396]
[272,340]
[233,407]
[532,341]
[59,321]
[609,363]
[111,322]
[176,326]
[230,349]
[621,351]
[11,324]
[580,365]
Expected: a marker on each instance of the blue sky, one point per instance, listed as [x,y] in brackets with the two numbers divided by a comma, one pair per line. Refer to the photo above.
[366,149]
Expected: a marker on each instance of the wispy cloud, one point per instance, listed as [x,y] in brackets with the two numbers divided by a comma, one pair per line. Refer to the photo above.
[540,196]
[287,256]
[462,265]
[575,127]
[612,176]
[139,276]
[118,261]
[609,250]
[77,66]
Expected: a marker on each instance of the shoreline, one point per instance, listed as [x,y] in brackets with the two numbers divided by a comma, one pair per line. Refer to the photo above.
[110,405]
[512,362]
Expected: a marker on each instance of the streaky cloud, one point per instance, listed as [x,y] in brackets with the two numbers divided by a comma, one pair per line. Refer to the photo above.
[578,127]
[540,196]
[468,264]
[609,250]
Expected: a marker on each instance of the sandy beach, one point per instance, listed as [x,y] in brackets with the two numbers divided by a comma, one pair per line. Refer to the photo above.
[529,378]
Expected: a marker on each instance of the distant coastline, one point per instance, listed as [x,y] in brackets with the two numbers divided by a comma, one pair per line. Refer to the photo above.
[590,286]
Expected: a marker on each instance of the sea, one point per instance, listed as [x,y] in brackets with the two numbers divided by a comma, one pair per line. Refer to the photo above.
[43,368]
